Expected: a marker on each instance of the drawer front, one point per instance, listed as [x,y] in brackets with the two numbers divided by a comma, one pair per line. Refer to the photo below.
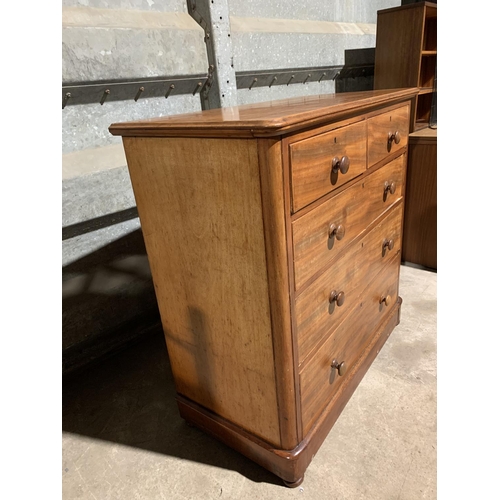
[384,131]
[350,212]
[328,300]
[319,381]
[312,162]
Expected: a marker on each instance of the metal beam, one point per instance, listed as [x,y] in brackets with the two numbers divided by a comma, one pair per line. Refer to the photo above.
[213,17]
[141,88]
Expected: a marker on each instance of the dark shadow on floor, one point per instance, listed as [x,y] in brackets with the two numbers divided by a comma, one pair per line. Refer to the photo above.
[108,299]
[129,399]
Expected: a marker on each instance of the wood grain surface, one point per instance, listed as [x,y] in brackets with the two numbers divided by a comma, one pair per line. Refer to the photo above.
[237,206]
[274,213]
[379,127]
[355,208]
[318,381]
[263,119]
[199,203]
[420,233]
[311,162]
[351,274]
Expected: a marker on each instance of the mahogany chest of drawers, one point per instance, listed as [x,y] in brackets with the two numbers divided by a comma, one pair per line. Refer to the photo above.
[273,233]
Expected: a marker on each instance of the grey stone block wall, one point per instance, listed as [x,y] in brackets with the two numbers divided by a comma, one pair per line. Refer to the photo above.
[108,294]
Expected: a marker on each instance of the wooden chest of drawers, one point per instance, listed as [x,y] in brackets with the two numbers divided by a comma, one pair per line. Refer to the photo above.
[273,233]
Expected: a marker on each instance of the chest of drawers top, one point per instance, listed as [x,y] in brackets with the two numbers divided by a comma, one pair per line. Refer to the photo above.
[268,119]
[273,233]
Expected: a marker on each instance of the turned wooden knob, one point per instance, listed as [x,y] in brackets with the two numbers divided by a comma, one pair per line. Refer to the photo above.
[337,231]
[342,164]
[337,297]
[389,187]
[394,137]
[340,367]
[387,299]
[388,244]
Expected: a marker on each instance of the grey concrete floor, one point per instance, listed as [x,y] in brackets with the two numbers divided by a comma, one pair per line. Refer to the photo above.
[123,438]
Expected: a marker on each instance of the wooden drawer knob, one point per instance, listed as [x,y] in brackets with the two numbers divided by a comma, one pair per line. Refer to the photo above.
[389,187]
[387,245]
[387,300]
[393,137]
[337,297]
[340,367]
[336,231]
[342,164]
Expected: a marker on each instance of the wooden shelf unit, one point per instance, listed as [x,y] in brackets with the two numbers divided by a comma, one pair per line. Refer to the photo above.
[406,54]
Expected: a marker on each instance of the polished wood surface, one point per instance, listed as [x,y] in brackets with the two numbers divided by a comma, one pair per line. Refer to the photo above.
[318,382]
[263,271]
[350,273]
[381,130]
[264,119]
[355,209]
[420,233]
[312,162]
[290,465]
[273,191]
[209,269]
[406,54]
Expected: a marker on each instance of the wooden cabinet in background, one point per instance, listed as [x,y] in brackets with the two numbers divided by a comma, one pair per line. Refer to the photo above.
[406,54]
[273,233]
[420,230]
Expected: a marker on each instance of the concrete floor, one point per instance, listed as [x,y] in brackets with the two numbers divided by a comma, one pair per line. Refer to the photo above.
[123,438]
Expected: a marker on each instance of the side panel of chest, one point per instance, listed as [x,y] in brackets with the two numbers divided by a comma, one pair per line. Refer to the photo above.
[199,202]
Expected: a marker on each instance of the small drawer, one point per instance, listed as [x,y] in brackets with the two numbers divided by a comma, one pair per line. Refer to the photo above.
[328,300]
[321,234]
[321,377]
[387,133]
[324,162]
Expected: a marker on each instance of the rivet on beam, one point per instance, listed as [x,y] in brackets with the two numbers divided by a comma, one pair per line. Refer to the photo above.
[307,78]
[273,80]
[321,77]
[291,78]
[172,87]
[66,99]
[139,92]
[104,96]
[198,86]
[252,84]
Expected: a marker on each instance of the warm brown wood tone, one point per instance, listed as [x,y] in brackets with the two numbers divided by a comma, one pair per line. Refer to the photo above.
[355,209]
[291,464]
[406,54]
[351,273]
[264,119]
[238,225]
[318,382]
[312,162]
[387,133]
[420,232]
[209,268]
[271,179]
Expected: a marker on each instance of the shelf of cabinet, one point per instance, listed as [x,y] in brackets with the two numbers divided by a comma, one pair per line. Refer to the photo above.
[406,53]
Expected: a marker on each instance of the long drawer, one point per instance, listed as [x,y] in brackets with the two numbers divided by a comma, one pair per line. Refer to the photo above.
[321,234]
[316,162]
[328,300]
[320,380]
